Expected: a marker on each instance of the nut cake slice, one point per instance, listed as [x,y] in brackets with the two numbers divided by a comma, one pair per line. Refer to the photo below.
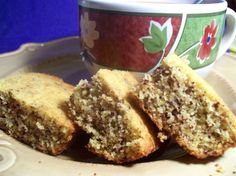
[118,131]
[32,110]
[187,108]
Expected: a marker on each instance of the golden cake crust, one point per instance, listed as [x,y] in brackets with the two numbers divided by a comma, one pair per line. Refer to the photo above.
[40,98]
[182,104]
[131,127]
[42,92]
[120,83]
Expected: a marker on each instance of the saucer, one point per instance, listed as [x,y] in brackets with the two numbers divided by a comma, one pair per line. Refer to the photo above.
[61,58]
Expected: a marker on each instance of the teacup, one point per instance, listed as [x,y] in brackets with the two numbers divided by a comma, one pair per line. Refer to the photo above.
[136,36]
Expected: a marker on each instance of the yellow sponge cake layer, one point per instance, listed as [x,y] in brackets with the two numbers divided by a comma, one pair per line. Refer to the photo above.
[119,132]
[187,108]
[32,110]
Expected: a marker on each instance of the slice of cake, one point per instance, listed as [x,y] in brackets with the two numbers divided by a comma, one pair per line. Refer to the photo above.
[33,110]
[182,104]
[119,132]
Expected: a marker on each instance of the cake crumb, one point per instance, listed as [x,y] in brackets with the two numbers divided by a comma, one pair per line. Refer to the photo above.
[162,137]
[219,168]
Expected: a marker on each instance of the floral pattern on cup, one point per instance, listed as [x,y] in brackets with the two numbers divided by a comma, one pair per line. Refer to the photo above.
[88,32]
[158,38]
[139,41]
[200,46]
[119,44]
[208,42]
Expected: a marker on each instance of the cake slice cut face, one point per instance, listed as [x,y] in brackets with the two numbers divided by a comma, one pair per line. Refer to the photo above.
[119,132]
[182,104]
[33,110]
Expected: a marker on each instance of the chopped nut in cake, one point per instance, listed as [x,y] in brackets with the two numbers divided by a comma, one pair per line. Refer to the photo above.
[187,108]
[32,110]
[119,132]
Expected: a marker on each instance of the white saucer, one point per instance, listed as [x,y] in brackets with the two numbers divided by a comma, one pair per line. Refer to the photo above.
[62,58]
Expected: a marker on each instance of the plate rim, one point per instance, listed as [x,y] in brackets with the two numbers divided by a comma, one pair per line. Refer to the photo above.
[25,46]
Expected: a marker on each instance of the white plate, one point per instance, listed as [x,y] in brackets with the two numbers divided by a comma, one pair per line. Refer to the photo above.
[62,58]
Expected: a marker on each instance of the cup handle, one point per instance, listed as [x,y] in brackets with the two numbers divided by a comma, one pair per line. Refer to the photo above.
[230,33]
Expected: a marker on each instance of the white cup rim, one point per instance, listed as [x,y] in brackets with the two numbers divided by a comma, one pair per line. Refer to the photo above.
[166,1]
[142,7]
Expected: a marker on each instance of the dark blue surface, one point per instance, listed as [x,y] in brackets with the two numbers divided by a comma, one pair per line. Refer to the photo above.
[23,21]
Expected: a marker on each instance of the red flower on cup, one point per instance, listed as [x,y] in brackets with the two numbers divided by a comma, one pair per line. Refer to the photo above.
[208,41]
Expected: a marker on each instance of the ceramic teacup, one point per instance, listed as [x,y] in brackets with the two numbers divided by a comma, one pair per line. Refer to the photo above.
[136,35]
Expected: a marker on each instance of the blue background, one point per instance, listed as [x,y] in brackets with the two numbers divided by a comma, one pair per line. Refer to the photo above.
[23,21]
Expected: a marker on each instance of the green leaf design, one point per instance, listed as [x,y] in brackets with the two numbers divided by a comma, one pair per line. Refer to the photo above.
[151,45]
[156,41]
